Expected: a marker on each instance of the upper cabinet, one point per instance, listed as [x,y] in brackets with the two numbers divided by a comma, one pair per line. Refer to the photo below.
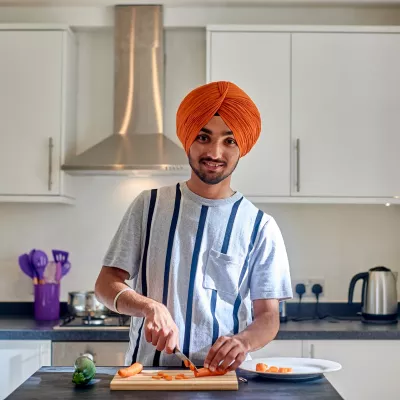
[329,100]
[345,114]
[37,113]
[259,62]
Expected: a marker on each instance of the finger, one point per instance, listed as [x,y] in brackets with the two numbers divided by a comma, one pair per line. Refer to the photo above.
[213,351]
[147,332]
[220,355]
[229,358]
[161,342]
[172,341]
[237,362]
[155,334]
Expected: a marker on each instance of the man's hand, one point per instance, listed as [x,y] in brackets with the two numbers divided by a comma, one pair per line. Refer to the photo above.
[231,350]
[160,329]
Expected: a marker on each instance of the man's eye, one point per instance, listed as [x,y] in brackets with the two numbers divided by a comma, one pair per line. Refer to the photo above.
[202,138]
[231,141]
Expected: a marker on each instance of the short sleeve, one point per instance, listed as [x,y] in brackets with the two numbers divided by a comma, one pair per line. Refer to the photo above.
[269,273]
[125,248]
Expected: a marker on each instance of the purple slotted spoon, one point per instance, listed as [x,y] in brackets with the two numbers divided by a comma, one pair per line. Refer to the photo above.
[65,268]
[39,261]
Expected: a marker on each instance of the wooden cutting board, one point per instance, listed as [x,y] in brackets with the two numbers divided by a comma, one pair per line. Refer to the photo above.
[144,381]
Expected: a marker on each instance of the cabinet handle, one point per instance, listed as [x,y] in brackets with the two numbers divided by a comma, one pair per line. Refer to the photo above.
[298,165]
[50,162]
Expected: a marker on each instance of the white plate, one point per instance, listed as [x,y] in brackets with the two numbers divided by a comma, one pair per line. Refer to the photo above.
[302,368]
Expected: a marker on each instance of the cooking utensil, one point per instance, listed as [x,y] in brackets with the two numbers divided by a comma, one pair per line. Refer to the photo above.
[26,267]
[60,256]
[302,368]
[39,261]
[185,360]
[50,272]
[144,381]
[82,304]
[58,275]
[65,268]
[378,296]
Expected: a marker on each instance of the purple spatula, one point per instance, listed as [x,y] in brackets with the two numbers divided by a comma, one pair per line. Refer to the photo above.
[26,266]
[65,268]
[60,256]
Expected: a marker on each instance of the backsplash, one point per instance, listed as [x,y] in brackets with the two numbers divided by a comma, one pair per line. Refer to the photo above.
[333,242]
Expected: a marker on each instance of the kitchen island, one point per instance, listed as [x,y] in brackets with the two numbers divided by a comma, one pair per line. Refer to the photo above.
[55,382]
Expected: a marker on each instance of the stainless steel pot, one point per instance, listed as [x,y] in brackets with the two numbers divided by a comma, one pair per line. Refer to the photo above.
[83,304]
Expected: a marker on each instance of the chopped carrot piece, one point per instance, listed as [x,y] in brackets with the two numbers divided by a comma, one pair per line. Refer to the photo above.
[168,377]
[261,367]
[156,377]
[273,369]
[206,372]
[178,377]
[186,363]
[132,370]
[289,369]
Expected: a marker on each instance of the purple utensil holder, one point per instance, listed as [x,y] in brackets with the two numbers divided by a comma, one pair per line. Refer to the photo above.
[47,302]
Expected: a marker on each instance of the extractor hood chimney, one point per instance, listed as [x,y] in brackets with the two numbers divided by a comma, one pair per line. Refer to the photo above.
[138,142]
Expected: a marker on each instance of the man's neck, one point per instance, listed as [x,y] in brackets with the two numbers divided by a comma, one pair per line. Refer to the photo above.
[221,190]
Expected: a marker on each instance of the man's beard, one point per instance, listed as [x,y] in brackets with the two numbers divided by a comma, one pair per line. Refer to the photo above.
[215,178]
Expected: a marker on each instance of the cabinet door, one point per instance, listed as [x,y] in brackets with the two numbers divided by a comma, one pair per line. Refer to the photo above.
[280,348]
[345,103]
[259,63]
[370,368]
[30,111]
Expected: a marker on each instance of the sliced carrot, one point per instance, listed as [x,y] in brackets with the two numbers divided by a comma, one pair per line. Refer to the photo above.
[186,363]
[179,377]
[168,377]
[261,367]
[289,369]
[132,370]
[156,377]
[273,369]
[206,372]
[282,370]
[161,373]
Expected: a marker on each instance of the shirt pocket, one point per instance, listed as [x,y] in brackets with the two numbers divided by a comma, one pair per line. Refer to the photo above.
[222,272]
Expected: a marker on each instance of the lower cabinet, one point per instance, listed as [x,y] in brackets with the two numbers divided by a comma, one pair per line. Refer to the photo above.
[370,368]
[19,359]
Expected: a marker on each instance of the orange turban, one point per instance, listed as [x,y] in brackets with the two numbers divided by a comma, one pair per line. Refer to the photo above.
[233,105]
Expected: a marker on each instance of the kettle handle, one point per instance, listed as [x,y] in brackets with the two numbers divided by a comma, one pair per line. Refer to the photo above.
[364,277]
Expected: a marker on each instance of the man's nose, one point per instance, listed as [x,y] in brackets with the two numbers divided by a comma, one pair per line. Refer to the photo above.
[214,151]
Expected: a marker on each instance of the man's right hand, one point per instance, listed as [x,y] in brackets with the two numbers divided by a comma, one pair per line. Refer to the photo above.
[160,328]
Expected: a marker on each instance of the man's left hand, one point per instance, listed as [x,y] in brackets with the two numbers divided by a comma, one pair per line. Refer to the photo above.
[231,350]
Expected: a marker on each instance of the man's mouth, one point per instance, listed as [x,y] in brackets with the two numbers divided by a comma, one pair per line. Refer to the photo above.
[213,165]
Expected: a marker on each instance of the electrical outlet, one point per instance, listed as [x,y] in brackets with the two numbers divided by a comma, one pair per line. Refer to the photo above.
[308,283]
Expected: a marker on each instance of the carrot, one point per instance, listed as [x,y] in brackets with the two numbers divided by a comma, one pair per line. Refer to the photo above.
[261,367]
[132,370]
[206,372]
[156,377]
[186,363]
[179,377]
[161,373]
[273,369]
[168,377]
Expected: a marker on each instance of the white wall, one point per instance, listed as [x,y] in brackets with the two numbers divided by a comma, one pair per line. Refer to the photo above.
[332,242]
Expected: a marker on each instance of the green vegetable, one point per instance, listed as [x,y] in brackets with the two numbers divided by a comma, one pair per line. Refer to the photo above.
[85,370]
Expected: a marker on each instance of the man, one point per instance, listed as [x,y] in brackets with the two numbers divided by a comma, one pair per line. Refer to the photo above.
[208,267]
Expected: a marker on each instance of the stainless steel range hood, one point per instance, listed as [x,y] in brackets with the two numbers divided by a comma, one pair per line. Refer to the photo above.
[138,142]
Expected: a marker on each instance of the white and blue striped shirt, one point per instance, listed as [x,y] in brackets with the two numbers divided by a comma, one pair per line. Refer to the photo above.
[204,259]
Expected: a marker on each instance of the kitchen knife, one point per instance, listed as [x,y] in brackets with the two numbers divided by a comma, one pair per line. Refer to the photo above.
[185,360]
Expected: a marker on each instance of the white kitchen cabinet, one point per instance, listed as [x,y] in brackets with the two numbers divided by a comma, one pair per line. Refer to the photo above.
[19,359]
[259,63]
[370,368]
[280,348]
[345,114]
[37,113]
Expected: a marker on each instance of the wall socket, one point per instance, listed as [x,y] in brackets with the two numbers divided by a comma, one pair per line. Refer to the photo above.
[308,283]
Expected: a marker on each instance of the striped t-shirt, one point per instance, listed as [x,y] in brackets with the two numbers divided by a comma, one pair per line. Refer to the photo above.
[204,259]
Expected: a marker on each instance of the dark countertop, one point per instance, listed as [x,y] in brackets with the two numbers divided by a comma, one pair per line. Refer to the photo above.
[29,329]
[53,383]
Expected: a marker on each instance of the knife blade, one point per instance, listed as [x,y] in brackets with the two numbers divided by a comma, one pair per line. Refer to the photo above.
[184,358]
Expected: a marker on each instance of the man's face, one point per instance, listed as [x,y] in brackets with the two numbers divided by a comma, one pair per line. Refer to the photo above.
[214,154]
